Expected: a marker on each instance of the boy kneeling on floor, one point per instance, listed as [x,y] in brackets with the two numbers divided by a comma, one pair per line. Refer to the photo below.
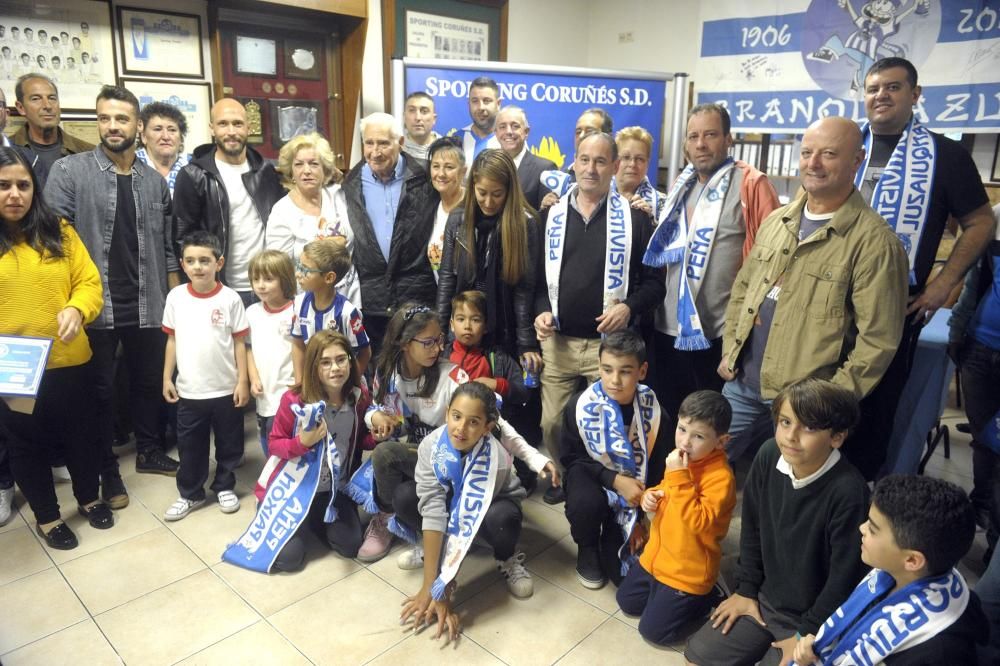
[799,542]
[913,607]
[612,445]
[673,582]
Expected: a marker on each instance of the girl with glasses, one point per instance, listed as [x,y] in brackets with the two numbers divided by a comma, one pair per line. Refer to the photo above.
[334,444]
[413,386]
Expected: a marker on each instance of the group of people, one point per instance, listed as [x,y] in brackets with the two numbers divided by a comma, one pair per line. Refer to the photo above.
[64,57]
[427,307]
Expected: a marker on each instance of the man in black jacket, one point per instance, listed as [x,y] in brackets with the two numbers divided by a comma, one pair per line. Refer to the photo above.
[595,282]
[228,189]
[391,207]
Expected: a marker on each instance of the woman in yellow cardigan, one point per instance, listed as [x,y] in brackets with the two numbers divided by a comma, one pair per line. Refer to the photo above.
[49,288]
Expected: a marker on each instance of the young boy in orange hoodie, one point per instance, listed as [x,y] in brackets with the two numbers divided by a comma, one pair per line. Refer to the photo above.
[680,564]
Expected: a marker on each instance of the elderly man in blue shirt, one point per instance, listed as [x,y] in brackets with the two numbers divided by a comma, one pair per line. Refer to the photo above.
[391,207]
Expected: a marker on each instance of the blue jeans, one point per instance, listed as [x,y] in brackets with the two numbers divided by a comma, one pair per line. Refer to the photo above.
[264,424]
[751,422]
[980,376]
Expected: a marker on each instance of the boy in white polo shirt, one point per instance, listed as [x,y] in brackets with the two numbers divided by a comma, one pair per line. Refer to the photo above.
[206,327]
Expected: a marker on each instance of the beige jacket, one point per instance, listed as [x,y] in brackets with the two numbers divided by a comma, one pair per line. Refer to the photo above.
[842,302]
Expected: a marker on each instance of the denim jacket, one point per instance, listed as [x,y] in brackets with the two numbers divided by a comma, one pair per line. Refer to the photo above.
[83,188]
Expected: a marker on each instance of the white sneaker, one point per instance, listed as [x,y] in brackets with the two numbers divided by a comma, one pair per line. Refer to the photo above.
[6,505]
[181,508]
[411,558]
[61,474]
[228,501]
[518,579]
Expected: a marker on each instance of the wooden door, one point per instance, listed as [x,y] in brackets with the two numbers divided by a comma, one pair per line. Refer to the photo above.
[284,70]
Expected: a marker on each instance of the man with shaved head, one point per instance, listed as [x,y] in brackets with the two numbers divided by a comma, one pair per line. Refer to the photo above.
[228,189]
[822,293]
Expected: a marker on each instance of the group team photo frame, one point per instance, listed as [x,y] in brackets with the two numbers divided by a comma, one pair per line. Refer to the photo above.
[72,44]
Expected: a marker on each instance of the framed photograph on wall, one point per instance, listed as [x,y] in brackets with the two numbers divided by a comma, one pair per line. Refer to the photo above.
[160,43]
[447,29]
[193,99]
[70,42]
[446,38]
[292,117]
[256,56]
[995,172]
[303,58]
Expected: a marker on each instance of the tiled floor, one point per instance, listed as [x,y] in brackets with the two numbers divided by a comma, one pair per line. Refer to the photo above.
[149,592]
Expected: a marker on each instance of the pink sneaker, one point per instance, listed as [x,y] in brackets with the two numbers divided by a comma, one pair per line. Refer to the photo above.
[378,539]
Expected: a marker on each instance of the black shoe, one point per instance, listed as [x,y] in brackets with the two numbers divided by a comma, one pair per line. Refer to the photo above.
[588,568]
[113,491]
[99,516]
[60,537]
[156,462]
[554,495]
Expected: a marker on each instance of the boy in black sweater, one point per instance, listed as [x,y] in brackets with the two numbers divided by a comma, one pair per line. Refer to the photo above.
[799,544]
[614,443]
[913,608]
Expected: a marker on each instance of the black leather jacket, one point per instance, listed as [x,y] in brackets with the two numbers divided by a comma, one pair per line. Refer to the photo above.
[407,275]
[200,199]
[515,304]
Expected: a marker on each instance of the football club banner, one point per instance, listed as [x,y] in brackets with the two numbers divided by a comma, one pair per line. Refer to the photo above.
[779,65]
[552,99]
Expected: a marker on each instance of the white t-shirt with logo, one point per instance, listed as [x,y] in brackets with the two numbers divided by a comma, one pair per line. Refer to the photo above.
[246,229]
[204,326]
[271,342]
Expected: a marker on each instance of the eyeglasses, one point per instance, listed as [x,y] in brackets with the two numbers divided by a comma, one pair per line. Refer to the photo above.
[305,270]
[341,362]
[429,343]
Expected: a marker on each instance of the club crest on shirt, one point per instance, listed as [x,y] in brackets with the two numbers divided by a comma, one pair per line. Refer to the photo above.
[218,319]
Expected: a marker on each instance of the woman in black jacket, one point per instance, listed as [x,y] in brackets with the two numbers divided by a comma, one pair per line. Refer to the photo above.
[492,244]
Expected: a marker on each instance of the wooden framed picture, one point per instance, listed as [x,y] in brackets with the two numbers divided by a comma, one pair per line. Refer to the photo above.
[160,43]
[69,42]
[194,99]
[443,29]
[292,117]
[303,58]
[255,56]
[995,172]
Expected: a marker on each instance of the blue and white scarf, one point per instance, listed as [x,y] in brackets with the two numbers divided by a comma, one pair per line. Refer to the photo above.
[618,250]
[182,161]
[361,487]
[648,193]
[559,182]
[899,621]
[676,240]
[603,431]
[288,498]
[902,194]
[472,485]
